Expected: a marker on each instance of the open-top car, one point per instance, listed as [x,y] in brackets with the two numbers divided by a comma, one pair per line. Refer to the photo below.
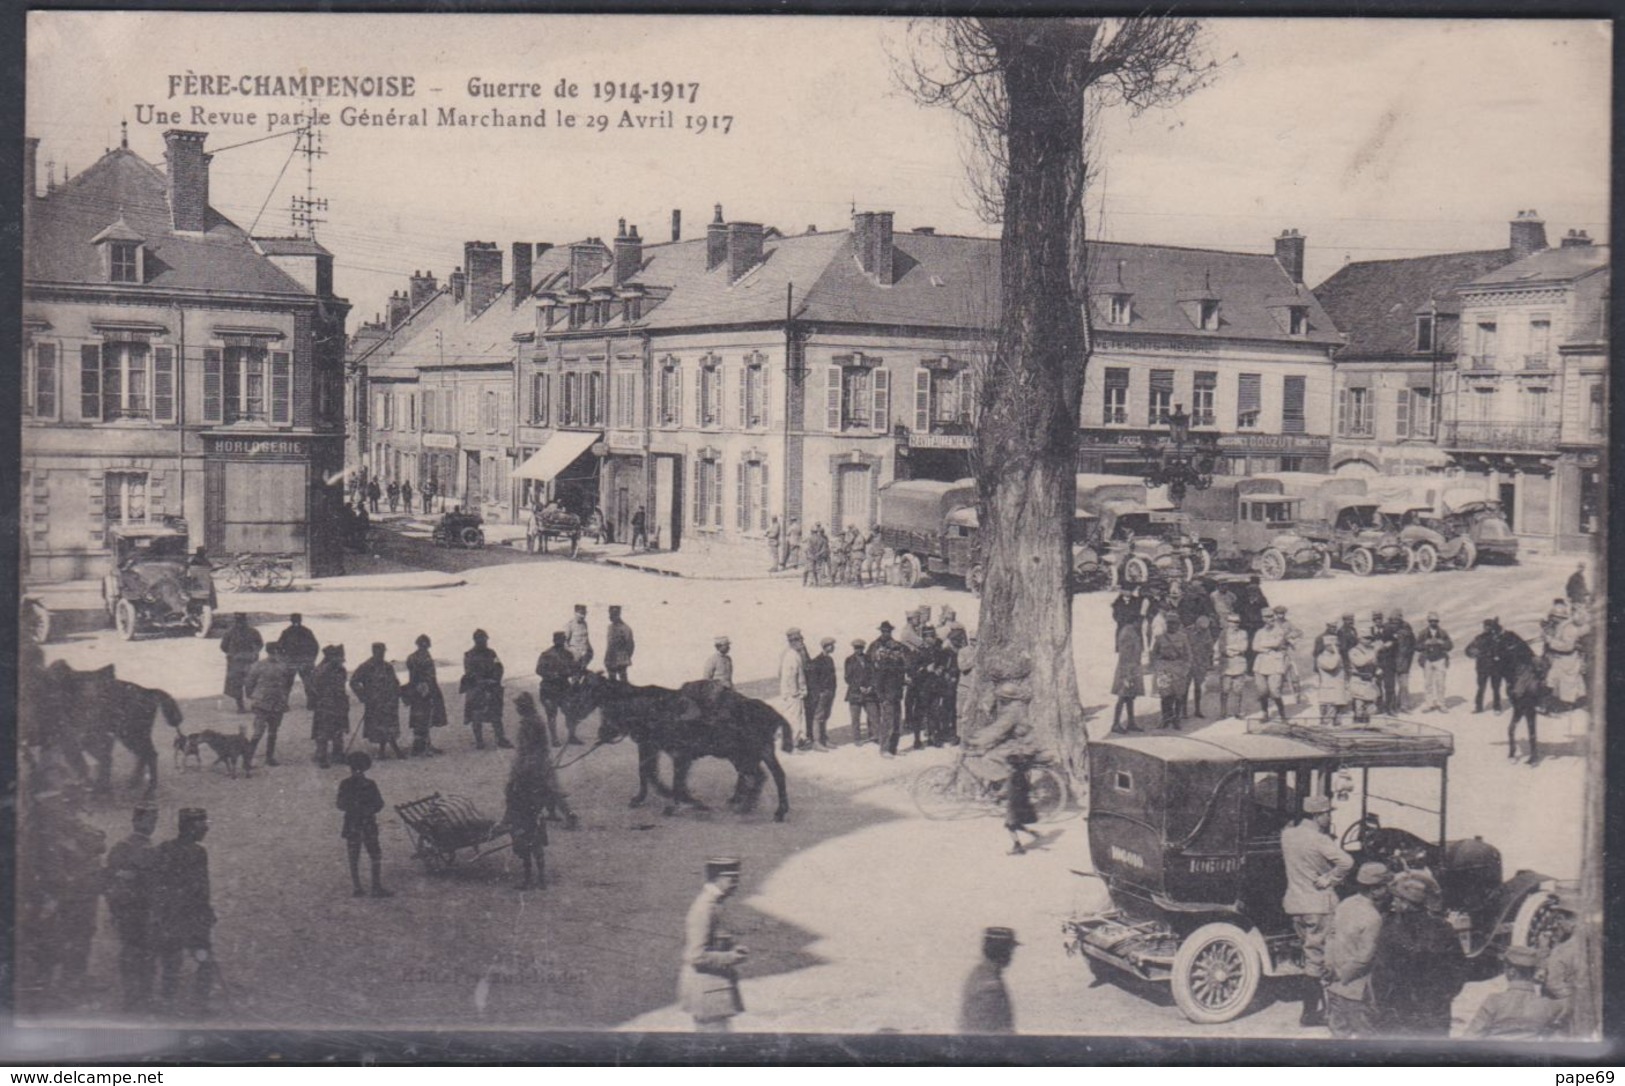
[1358,537]
[154,584]
[1432,544]
[1251,524]
[932,528]
[1481,519]
[1185,831]
[1121,535]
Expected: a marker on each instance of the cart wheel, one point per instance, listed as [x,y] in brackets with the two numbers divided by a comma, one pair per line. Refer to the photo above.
[1215,974]
[936,793]
[1361,562]
[259,576]
[205,620]
[1048,793]
[1426,558]
[124,620]
[1272,565]
[1467,557]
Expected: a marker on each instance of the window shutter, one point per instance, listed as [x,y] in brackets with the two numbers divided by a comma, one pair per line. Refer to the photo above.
[699,493]
[742,512]
[744,396]
[967,395]
[544,385]
[765,411]
[677,395]
[716,493]
[90,382]
[922,401]
[832,398]
[1342,410]
[1402,414]
[44,399]
[882,421]
[505,412]
[761,503]
[281,387]
[701,395]
[163,384]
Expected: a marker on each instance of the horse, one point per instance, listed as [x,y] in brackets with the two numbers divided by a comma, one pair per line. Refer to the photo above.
[74,713]
[701,720]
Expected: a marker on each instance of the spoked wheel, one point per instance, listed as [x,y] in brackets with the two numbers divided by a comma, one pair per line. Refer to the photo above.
[1361,562]
[282,576]
[1467,557]
[259,577]
[1136,571]
[938,794]
[124,620]
[1048,793]
[232,578]
[471,537]
[1272,565]
[909,573]
[1215,974]
[1426,558]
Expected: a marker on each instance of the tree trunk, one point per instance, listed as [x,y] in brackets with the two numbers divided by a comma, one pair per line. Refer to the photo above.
[1028,430]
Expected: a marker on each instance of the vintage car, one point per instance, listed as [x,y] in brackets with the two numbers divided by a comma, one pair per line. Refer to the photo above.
[1251,524]
[1121,535]
[1467,512]
[459,529]
[1185,832]
[933,530]
[1358,538]
[153,584]
[1432,545]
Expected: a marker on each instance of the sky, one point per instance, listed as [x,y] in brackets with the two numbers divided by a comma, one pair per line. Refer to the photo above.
[1373,138]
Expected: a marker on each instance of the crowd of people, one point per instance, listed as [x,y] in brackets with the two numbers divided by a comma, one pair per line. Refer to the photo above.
[851,556]
[367,494]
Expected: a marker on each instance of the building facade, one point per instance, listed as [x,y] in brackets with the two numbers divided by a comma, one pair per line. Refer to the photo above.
[174,367]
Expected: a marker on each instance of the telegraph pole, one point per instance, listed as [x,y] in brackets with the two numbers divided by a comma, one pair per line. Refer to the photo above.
[304,210]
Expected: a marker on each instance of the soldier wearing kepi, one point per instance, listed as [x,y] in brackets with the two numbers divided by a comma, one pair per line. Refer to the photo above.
[1315,866]
[888,663]
[127,881]
[1230,657]
[481,687]
[182,918]
[361,801]
[299,648]
[330,706]
[556,667]
[710,979]
[578,638]
[619,647]
[984,1006]
[1351,945]
[267,690]
[720,668]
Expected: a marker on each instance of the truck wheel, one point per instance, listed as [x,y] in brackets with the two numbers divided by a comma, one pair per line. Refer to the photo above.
[205,620]
[1203,561]
[1360,562]
[1426,558]
[471,537]
[124,620]
[1467,557]
[1326,563]
[39,625]
[1215,974]
[909,573]
[1272,565]
[1136,571]
[975,579]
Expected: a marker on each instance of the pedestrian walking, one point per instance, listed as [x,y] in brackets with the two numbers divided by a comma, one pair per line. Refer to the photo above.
[1525,677]
[1362,677]
[181,917]
[1200,635]
[1485,653]
[374,494]
[267,690]
[1230,653]
[557,668]
[793,684]
[984,1003]
[888,662]
[394,493]
[1171,668]
[425,705]
[619,645]
[1577,590]
[860,695]
[481,687]
[360,800]
[299,649]
[1269,664]
[378,689]
[1418,968]
[406,496]
[820,694]
[1351,944]
[1315,866]
[709,984]
[241,646]
[127,881]
[1398,689]
[1433,646]
[578,638]
[640,531]
[330,706]
[719,668]
[1520,1012]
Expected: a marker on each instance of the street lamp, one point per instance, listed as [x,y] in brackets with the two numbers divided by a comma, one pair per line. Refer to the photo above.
[1177,467]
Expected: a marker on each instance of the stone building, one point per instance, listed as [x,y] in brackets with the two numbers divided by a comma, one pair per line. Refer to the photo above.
[174,367]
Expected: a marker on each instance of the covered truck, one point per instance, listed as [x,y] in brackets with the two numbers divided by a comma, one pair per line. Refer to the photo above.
[933,530]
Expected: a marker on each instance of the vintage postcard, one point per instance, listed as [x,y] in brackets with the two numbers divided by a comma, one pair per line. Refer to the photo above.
[813,525]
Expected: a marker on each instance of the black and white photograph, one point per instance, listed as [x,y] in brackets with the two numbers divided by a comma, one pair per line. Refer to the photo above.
[950,526]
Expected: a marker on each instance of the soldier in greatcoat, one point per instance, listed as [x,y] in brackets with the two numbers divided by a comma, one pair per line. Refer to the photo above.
[182,917]
[556,667]
[709,986]
[1171,667]
[267,688]
[330,706]
[618,646]
[1419,968]
[379,690]
[425,705]
[241,646]
[860,694]
[481,687]
[299,650]
[888,661]
[127,885]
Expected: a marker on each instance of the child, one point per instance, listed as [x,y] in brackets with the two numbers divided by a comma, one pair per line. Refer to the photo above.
[361,801]
[1019,810]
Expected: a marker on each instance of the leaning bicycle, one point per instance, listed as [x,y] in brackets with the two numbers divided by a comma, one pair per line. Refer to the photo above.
[975,788]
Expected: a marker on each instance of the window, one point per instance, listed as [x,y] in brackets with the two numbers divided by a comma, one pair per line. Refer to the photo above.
[1540,343]
[1205,386]
[753,394]
[1208,310]
[40,397]
[121,380]
[751,496]
[1162,397]
[578,314]
[595,399]
[1121,310]
[1597,409]
[1354,412]
[124,261]
[125,497]
[626,395]
[633,310]
[1249,400]
[669,405]
[570,409]
[1424,332]
[1484,347]
[707,493]
[941,398]
[857,397]
[252,383]
[538,398]
[1293,420]
[1116,399]
[1421,410]
[1534,405]
[708,406]
[488,411]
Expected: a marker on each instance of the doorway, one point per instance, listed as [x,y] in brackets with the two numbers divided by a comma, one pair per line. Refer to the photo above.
[852,494]
[1509,503]
[666,526]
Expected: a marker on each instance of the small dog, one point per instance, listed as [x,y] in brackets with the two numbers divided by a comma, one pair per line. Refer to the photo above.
[186,747]
[230,749]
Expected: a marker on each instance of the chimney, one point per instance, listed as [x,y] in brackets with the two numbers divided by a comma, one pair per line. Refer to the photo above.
[31,166]
[587,259]
[676,224]
[1576,239]
[928,231]
[423,287]
[1528,234]
[459,284]
[1289,254]
[744,248]
[188,179]
[872,242]
[484,263]
[523,255]
[716,241]
[628,254]
[399,306]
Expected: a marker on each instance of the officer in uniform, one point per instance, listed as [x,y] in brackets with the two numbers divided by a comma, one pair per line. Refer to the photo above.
[426,706]
[182,918]
[720,668]
[481,687]
[888,661]
[330,706]
[299,649]
[556,667]
[127,882]
[241,645]
[1521,1013]
[267,689]
[1230,656]
[577,638]
[1315,866]
[984,1006]
[379,691]
[709,984]
[1351,945]
[619,647]
[1485,653]
[1269,663]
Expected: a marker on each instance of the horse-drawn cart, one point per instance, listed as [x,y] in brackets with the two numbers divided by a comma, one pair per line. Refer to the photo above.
[553,522]
[441,826]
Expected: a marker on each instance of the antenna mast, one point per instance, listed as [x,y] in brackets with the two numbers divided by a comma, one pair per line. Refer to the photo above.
[303,210]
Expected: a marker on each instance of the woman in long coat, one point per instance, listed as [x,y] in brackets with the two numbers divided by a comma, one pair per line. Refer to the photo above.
[1128,682]
[1171,667]
[379,691]
[330,706]
[426,706]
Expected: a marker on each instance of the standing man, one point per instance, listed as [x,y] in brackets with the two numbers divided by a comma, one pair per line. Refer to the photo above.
[330,706]
[618,647]
[299,650]
[1351,944]
[1348,635]
[720,668]
[888,662]
[406,496]
[1577,590]
[1291,636]
[792,544]
[1398,682]
[964,685]
[241,645]
[1419,968]
[860,696]
[127,882]
[556,667]
[1327,638]
[1385,661]
[775,538]
[267,689]
[1200,635]
[1433,645]
[820,694]
[394,493]
[1485,653]
[1315,866]
[430,489]
[1363,690]
[182,918]
[379,690]
[425,705]
[793,684]
[640,531]
[984,1005]
[874,557]
[710,979]
[481,687]
[361,801]
[374,493]
[1230,658]
[1269,664]
[577,637]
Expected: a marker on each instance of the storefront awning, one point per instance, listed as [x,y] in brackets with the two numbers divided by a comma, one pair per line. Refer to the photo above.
[559,452]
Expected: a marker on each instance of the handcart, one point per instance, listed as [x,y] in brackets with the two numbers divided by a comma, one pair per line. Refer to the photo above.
[441,826]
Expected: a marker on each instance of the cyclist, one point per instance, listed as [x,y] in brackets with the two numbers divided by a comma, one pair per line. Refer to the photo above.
[1008,737]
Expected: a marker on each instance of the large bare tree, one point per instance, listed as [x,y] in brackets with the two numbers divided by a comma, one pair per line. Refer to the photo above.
[1031,91]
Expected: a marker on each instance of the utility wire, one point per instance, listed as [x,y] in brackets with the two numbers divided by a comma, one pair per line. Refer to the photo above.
[294,150]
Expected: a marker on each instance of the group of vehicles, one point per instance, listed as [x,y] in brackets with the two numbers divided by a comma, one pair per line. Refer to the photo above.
[1277,525]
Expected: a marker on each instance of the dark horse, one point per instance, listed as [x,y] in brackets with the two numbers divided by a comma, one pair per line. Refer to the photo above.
[73,713]
[701,720]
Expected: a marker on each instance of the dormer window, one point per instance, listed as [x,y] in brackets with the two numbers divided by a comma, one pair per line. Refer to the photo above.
[1121,309]
[1208,315]
[125,262]
[1298,320]
[1424,332]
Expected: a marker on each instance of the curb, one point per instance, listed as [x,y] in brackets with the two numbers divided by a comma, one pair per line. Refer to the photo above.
[325,586]
[623,563]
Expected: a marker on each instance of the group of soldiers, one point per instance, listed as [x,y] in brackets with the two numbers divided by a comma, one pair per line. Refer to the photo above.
[370,494]
[849,557]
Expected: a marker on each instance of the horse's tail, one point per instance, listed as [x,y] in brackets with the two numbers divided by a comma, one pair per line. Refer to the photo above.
[169,707]
[788,737]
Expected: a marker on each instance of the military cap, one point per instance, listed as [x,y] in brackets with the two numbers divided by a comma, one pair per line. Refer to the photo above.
[828,643]
[721,865]
[481,635]
[1524,957]
[378,646]
[1490,624]
[1280,609]
[1396,613]
[1433,616]
[721,639]
[1314,805]
[614,608]
[886,627]
[296,617]
[858,643]
[1000,935]
[422,641]
[1348,616]
[1372,874]
[1375,613]
[581,608]
[792,634]
[146,806]
[192,816]
[332,651]
[560,637]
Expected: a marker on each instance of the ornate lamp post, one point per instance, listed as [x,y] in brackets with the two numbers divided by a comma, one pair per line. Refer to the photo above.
[1179,466]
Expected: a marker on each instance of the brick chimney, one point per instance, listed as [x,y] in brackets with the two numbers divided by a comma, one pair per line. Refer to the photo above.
[716,241]
[423,287]
[31,166]
[744,248]
[1289,253]
[872,244]
[400,305]
[676,224]
[459,284]
[484,263]
[188,179]
[1528,234]
[523,255]
[587,259]
[1576,239]
[628,254]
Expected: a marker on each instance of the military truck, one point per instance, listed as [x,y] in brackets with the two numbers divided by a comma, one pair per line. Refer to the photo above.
[1124,536]
[933,529]
[1433,544]
[1481,519]
[1250,524]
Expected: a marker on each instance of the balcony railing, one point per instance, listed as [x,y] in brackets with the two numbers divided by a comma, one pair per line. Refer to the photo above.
[1536,362]
[1502,435]
[1481,363]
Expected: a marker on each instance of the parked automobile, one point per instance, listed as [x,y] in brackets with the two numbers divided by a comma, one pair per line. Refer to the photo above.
[36,620]
[1359,538]
[1251,524]
[1431,544]
[1185,831]
[152,583]
[932,528]
[1482,520]
[1122,536]
[460,529]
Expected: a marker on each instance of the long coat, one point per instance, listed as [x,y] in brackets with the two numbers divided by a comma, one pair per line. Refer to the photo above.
[180,912]
[242,645]
[620,645]
[1171,663]
[1129,679]
[984,1006]
[426,706]
[482,686]
[379,691]
[329,703]
[1416,973]
[709,986]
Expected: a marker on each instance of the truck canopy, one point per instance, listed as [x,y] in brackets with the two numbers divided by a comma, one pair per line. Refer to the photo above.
[1094,491]
[923,505]
[1462,500]
[1308,484]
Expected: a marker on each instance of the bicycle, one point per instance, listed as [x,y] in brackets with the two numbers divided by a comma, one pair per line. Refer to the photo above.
[255,574]
[951,792]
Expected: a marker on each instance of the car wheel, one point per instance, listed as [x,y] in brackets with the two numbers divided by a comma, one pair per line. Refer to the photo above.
[1203,561]
[1361,562]
[1425,558]
[1215,974]
[975,579]
[1467,557]
[1272,565]
[1326,563]
[909,573]
[1136,571]
[205,620]
[39,622]
[124,619]
[470,537]
[936,793]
